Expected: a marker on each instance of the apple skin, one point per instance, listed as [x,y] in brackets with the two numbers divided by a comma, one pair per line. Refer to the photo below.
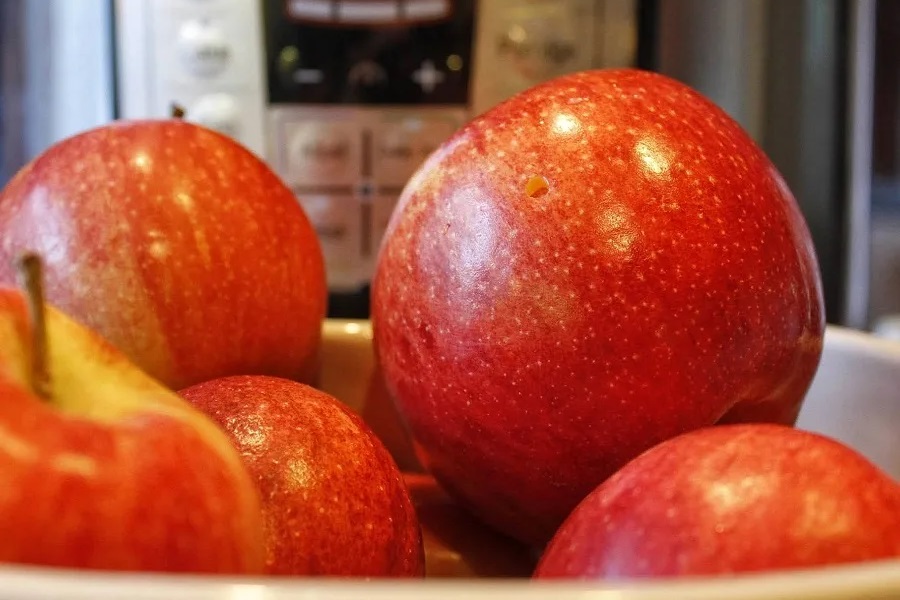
[536,338]
[456,544]
[113,471]
[730,499]
[333,499]
[175,243]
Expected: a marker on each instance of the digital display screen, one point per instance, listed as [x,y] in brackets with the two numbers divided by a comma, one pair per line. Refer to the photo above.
[398,52]
[368,13]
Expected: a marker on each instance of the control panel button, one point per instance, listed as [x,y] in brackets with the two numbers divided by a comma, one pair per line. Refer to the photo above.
[203,48]
[219,112]
[428,77]
[338,224]
[394,153]
[401,145]
[366,73]
[308,76]
[323,153]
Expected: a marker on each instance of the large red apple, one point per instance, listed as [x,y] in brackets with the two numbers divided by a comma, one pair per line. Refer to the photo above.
[334,501]
[102,467]
[598,264]
[722,500]
[176,244]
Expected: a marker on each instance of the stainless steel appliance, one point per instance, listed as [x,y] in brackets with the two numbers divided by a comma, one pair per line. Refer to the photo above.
[345,97]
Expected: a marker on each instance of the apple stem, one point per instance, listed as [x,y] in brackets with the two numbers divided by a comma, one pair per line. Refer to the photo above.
[177,111]
[31,273]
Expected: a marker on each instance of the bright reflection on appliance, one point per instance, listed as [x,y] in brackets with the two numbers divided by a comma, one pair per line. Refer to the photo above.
[652,155]
[563,123]
[141,160]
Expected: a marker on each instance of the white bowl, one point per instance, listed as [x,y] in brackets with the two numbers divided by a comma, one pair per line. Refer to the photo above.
[854,398]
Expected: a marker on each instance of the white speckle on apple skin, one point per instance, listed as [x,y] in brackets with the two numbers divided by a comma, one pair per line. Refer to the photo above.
[689,291]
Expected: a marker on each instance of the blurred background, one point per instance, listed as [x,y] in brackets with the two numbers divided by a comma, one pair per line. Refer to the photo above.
[344,98]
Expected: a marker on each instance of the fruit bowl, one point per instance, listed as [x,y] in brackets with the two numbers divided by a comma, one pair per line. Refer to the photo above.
[853,399]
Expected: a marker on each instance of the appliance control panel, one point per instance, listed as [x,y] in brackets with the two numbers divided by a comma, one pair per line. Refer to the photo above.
[360,93]
[347,167]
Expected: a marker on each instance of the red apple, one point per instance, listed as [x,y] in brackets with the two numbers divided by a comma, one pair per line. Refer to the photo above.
[102,467]
[456,544]
[175,243]
[730,499]
[334,501]
[598,264]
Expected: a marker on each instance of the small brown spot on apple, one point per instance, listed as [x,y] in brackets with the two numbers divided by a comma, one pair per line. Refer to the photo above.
[537,186]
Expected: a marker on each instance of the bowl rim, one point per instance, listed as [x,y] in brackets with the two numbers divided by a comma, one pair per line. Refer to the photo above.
[872,579]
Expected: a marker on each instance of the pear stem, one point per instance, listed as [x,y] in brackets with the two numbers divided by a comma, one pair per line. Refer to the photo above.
[31,273]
